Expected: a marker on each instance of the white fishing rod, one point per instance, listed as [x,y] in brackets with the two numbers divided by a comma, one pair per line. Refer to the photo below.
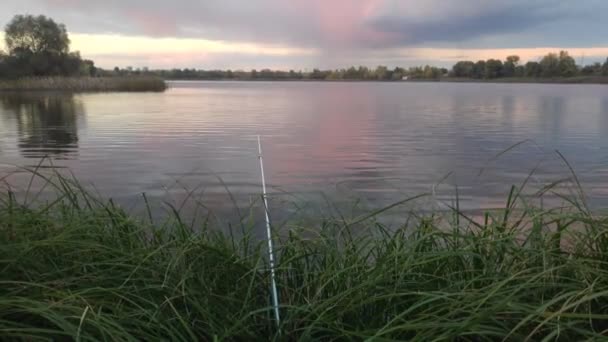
[273,280]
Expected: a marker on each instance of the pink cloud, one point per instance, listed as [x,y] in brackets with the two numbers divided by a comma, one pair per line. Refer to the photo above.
[153,23]
[343,22]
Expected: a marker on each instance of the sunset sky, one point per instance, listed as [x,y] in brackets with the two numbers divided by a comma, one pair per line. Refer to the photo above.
[303,34]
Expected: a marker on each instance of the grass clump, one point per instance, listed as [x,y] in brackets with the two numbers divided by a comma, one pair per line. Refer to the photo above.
[80,268]
[86,84]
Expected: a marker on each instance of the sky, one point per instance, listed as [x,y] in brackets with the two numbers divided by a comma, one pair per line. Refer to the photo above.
[306,34]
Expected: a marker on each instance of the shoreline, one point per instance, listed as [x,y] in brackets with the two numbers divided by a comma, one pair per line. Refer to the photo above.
[85,84]
[513,80]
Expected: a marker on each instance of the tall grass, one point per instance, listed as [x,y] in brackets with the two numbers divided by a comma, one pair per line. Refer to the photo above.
[76,267]
[86,84]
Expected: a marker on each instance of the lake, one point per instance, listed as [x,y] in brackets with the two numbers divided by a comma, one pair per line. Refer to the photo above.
[377,142]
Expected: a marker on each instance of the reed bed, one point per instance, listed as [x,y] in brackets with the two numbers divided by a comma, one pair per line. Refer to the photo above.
[86,84]
[76,267]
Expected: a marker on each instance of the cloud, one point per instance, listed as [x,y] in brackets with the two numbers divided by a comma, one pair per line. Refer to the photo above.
[461,27]
[111,50]
[523,22]
[321,23]
[321,32]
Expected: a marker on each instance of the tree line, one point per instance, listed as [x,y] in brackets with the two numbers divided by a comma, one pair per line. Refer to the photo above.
[37,46]
[552,65]
[363,73]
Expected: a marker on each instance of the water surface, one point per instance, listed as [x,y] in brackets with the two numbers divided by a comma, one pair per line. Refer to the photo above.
[380,142]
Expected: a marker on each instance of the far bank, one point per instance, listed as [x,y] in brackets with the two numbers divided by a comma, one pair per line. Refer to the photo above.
[86,84]
[557,80]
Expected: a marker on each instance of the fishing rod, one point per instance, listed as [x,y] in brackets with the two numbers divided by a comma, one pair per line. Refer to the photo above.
[273,280]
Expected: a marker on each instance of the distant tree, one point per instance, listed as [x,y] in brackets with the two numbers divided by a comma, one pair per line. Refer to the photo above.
[431,72]
[381,73]
[567,65]
[415,72]
[605,68]
[266,74]
[27,34]
[351,73]
[510,65]
[594,69]
[363,72]
[463,69]
[550,65]
[494,68]
[398,74]
[533,69]
[513,59]
[336,75]
[479,70]
[318,74]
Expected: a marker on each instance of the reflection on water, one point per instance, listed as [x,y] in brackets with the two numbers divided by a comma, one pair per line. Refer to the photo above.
[381,142]
[46,123]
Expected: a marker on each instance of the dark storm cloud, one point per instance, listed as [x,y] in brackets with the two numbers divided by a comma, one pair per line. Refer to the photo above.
[519,23]
[462,28]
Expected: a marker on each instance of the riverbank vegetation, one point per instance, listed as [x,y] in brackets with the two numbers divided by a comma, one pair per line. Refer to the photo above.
[552,68]
[76,267]
[39,58]
[85,84]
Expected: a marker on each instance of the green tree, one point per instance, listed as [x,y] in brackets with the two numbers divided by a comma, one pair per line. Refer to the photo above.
[550,66]
[351,73]
[567,65]
[398,74]
[463,69]
[594,69]
[494,68]
[479,70]
[510,66]
[430,72]
[38,46]
[381,72]
[605,68]
[319,75]
[27,34]
[533,69]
